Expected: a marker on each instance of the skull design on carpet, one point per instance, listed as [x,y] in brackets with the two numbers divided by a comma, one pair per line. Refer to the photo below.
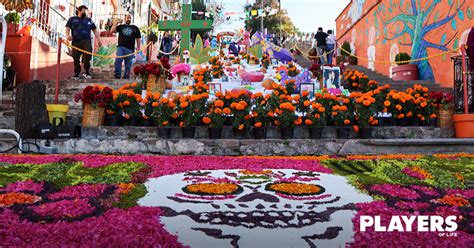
[269,208]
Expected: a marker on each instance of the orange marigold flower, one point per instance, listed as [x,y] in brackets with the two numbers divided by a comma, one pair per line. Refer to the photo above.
[387,103]
[227,111]
[308,122]
[347,122]
[356,128]
[258,125]
[206,120]
[184,105]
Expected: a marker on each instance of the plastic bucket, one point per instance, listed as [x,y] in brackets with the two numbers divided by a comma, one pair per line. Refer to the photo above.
[57,111]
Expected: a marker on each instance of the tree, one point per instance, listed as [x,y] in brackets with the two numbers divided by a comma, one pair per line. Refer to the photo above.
[274,23]
[418,22]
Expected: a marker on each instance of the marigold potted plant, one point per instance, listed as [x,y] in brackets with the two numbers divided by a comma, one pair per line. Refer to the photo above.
[163,111]
[216,67]
[94,99]
[215,119]
[260,116]
[315,120]
[404,71]
[265,61]
[343,119]
[132,108]
[114,110]
[286,119]
[365,109]
[191,109]
[241,115]
[149,103]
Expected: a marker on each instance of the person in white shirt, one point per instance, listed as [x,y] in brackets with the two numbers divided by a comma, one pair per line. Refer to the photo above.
[330,45]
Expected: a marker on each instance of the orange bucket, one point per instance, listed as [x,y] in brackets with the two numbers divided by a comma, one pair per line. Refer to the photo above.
[464,125]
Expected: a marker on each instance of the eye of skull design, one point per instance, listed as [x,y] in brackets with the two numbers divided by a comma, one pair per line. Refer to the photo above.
[268,208]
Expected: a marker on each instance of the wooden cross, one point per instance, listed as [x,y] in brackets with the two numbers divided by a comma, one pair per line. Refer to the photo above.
[185,25]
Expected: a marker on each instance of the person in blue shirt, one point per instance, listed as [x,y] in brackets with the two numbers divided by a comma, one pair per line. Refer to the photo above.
[129,34]
[78,30]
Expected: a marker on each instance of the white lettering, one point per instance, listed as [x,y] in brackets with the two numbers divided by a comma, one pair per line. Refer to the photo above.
[409,222]
[365,221]
[423,222]
[451,224]
[378,225]
[395,224]
[436,224]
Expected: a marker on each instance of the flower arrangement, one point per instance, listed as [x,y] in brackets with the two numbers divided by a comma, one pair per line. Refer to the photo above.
[131,105]
[201,77]
[216,67]
[356,80]
[285,115]
[442,100]
[181,69]
[240,108]
[316,116]
[342,116]
[254,60]
[365,109]
[260,110]
[265,61]
[190,109]
[215,117]
[163,111]
[96,96]
[292,70]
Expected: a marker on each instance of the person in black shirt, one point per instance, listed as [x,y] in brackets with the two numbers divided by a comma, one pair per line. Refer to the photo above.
[321,44]
[128,35]
[81,27]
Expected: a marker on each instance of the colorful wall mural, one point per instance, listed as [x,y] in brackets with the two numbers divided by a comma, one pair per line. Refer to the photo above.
[421,28]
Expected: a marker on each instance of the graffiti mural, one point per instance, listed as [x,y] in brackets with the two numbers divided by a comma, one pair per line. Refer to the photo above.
[421,28]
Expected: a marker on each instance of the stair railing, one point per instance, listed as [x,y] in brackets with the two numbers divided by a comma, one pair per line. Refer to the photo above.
[50,24]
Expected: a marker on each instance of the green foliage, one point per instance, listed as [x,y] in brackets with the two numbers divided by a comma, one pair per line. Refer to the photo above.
[130,200]
[402,57]
[347,47]
[199,54]
[256,51]
[12,17]
[68,174]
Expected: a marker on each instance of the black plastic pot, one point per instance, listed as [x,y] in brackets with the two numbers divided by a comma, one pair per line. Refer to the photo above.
[188,132]
[391,122]
[228,121]
[365,133]
[239,134]
[417,122]
[113,120]
[148,123]
[215,132]
[343,132]
[164,132]
[315,132]
[132,122]
[433,122]
[405,122]
[260,133]
[287,132]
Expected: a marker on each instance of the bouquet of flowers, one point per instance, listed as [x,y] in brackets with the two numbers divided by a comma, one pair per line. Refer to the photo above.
[97,96]
[217,67]
[180,69]
[441,99]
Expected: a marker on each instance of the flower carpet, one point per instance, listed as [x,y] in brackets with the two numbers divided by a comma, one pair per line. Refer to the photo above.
[124,201]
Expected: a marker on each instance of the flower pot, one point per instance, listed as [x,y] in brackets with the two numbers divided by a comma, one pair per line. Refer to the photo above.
[433,122]
[343,132]
[113,120]
[417,122]
[464,125]
[164,132]
[445,117]
[239,134]
[188,132]
[260,133]
[215,132]
[133,122]
[228,121]
[365,132]
[156,84]
[403,122]
[315,133]
[93,116]
[147,123]
[405,72]
[57,111]
[287,132]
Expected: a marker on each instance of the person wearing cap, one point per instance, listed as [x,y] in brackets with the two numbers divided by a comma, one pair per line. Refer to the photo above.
[78,31]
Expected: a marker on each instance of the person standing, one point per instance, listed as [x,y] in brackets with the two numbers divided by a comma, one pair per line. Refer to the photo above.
[331,45]
[128,35]
[321,44]
[167,44]
[78,30]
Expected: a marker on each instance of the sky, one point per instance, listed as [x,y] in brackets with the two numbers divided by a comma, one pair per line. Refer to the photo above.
[307,15]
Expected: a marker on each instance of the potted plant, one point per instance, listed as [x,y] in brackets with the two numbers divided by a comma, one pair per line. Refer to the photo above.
[286,119]
[443,101]
[94,99]
[265,61]
[343,119]
[216,67]
[191,109]
[315,120]
[149,103]
[404,71]
[260,116]
[240,108]
[114,110]
[13,23]
[365,110]
[163,112]
[215,119]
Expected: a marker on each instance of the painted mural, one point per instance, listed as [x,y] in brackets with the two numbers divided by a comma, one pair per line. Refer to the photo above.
[421,28]
[354,12]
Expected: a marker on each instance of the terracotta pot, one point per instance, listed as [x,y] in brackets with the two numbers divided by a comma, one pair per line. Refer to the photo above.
[445,117]
[405,72]
[464,125]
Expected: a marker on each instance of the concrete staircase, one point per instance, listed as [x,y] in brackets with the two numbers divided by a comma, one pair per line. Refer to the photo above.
[398,85]
[68,88]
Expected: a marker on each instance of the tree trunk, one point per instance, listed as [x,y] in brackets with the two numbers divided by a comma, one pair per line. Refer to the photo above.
[30,109]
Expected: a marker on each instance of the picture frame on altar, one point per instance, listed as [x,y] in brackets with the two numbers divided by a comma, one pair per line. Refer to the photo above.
[331,77]
[274,62]
[309,87]
[214,88]
[225,78]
